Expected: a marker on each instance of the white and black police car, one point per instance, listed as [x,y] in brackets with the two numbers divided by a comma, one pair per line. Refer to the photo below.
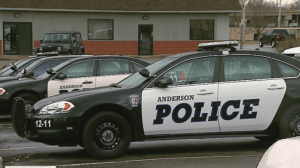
[190,95]
[70,73]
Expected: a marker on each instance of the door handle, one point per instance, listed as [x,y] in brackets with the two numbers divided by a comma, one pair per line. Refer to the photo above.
[87,82]
[275,87]
[204,92]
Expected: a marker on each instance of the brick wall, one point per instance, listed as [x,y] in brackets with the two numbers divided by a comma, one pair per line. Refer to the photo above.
[131,47]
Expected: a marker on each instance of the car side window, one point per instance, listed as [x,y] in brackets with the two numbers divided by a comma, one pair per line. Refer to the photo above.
[286,70]
[246,68]
[113,67]
[194,71]
[42,68]
[268,32]
[82,69]
[137,67]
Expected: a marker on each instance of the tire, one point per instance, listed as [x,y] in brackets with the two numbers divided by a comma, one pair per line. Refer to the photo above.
[106,135]
[289,124]
[260,43]
[273,43]
[29,98]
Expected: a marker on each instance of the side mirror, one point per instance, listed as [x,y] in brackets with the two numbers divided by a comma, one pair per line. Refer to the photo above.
[144,72]
[50,71]
[30,74]
[41,41]
[13,67]
[61,76]
[164,82]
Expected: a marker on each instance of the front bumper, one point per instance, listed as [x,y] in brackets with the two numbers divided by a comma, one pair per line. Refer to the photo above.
[57,129]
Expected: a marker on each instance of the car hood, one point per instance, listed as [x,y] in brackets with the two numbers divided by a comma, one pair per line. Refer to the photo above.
[282,154]
[13,83]
[53,44]
[7,78]
[70,95]
[291,50]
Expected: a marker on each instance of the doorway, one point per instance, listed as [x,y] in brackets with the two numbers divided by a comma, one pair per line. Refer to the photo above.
[145,39]
[17,38]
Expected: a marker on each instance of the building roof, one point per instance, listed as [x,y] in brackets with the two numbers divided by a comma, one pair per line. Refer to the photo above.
[125,5]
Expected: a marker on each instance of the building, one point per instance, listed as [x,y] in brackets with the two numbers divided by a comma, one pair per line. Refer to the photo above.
[129,27]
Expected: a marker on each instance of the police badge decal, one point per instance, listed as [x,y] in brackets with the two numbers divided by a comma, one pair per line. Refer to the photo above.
[134,100]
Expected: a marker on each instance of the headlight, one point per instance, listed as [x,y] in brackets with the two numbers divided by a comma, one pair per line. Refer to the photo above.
[2,91]
[40,49]
[58,107]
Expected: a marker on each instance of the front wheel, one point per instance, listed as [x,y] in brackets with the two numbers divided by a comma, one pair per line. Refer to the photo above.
[260,43]
[289,124]
[106,135]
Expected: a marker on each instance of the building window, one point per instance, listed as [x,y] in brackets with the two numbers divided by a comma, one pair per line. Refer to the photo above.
[202,30]
[101,29]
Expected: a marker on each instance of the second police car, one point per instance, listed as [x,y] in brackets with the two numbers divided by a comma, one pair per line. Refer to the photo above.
[70,75]
[191,95]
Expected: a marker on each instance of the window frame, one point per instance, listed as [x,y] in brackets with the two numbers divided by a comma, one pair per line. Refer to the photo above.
[113,30]
[213,38]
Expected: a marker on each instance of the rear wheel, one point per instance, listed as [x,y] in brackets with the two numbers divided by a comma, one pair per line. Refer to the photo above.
[106,135]
[273,43]
[289,124]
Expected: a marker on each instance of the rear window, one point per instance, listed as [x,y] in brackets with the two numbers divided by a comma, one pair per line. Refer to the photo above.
[280,31]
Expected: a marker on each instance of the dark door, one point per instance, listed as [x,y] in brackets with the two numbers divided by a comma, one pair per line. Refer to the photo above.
[17,38]
[145,40]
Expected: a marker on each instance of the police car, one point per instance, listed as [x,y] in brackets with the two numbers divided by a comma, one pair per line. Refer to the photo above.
[72,73]
[201,94]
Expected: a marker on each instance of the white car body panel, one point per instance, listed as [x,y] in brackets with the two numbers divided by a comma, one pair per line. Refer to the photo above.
[150,100]
[264,91]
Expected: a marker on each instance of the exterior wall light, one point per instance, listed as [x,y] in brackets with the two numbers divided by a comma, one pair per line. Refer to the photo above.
[145,17]
[17,15]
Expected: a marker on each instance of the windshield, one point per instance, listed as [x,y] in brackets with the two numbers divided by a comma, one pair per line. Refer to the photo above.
[55,69]
[28,68]
[57,38]
[18,64]
[8,67]
[137,79]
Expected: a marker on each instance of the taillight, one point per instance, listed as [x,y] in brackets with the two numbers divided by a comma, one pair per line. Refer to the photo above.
[278,37]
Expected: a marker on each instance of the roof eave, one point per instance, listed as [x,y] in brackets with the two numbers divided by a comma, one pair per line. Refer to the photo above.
[112,11]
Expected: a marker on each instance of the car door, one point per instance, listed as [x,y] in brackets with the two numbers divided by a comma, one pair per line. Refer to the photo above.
[249,96]
[186,105]
[78,76]
[266,38]
[112,71]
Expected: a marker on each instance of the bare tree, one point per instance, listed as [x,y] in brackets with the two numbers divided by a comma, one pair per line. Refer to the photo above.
[261,13]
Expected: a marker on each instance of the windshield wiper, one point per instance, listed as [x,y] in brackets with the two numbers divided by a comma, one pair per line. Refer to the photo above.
[114,85]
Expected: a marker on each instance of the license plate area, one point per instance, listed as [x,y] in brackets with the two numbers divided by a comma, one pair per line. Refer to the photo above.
[43,123]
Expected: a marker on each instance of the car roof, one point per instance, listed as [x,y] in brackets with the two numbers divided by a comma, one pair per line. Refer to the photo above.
[145,63]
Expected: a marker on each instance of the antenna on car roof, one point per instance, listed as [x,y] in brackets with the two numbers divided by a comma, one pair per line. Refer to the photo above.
[218,46]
